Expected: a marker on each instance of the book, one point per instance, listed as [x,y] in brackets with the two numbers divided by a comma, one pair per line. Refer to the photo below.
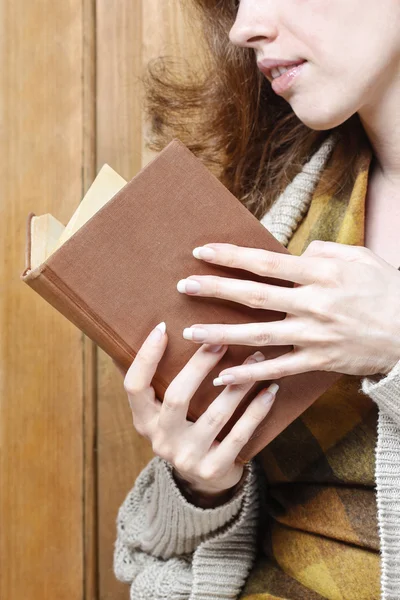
[113,270]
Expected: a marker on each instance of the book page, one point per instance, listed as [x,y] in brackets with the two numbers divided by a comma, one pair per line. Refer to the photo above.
[103,188]
[45,233]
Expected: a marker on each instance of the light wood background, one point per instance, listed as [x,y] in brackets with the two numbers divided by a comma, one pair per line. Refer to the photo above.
[70,100]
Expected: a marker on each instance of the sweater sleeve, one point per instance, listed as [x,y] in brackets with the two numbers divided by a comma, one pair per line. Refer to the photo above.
[167,548]
[385,391]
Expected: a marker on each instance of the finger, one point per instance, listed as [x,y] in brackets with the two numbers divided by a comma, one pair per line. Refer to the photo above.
[173,411]
[210,423]
[299,269]
[325,249]
[141,372]
[274,333]
[249,293]
[291,363]
[226,452]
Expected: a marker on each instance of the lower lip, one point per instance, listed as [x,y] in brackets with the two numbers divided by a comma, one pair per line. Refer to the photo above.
[284,82]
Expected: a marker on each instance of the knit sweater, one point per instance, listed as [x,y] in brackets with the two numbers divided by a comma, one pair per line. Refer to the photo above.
[167,548]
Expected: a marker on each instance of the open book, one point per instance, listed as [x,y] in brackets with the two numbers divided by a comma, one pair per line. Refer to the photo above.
[48,234]
[113,269]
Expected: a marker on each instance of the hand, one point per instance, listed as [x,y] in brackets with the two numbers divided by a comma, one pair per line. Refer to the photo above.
[342,313]
[208,465]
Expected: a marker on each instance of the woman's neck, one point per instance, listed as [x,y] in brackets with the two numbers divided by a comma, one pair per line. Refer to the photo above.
[380,118]
[382,216]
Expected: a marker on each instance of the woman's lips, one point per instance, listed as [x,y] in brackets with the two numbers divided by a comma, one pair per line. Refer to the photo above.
[267,64]
[284,82]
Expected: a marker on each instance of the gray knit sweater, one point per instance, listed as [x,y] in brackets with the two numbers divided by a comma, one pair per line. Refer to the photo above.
[169,549]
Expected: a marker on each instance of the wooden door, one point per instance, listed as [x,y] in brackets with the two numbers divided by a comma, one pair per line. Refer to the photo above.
[70,100]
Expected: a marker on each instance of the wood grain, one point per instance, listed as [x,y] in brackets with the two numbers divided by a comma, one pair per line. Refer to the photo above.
[89,351]
[41,459]
[70,100]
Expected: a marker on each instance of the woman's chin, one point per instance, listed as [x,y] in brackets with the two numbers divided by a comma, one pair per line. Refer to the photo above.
[318,119]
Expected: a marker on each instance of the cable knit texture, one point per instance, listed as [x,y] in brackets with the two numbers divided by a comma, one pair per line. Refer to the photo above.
[169,549]
[386,394]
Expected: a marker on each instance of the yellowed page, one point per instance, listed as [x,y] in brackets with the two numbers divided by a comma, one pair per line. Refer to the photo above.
[103,188]
[45,233]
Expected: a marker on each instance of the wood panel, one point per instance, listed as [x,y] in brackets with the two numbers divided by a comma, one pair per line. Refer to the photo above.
[43,151]
[129,34]
[89,351]
[70,100]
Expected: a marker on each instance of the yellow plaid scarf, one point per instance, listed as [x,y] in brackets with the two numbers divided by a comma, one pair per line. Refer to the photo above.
[320,536]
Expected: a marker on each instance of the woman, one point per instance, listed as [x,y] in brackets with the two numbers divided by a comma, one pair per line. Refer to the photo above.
[314,154]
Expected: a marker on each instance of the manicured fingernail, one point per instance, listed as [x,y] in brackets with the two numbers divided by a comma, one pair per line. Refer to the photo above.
[158,332]
[195,333]
[188,286]
[224,380]
[204,253]
[215,348]
[268,395]
[255,358]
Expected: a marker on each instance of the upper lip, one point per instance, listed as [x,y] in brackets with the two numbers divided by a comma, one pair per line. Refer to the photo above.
[267,64]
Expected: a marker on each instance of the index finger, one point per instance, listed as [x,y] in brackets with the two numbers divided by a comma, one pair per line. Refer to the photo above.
[290,267]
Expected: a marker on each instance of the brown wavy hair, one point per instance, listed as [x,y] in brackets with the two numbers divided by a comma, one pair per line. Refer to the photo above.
[230,118]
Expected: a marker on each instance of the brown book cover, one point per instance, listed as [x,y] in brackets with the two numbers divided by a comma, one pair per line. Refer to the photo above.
[115,278]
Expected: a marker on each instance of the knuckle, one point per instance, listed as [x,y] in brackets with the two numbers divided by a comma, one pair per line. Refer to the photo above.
[171,401]
[245,378]
[258,297]
[270,263]
[244,373]
[215,418]
[333,272]
[131,387]
[357,253]
[364,252]
[185,462]
[239,438]
[144,358]
[209,472]
[161,447]
[230,259]
[325,362]
[140,428]
[216,282]
[279,372]
[323,309]
[263,337]
[221,334]
[315,247]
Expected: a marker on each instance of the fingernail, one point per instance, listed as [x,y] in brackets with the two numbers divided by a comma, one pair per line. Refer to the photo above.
[205,253]
[215,348]
[269,394]
[224,380]
[188,286]
[158,332]
[195,333]
[254,358]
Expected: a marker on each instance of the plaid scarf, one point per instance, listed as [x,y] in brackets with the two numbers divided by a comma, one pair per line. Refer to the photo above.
[319,536]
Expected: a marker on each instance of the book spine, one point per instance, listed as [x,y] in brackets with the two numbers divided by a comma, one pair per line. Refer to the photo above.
[48,285]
